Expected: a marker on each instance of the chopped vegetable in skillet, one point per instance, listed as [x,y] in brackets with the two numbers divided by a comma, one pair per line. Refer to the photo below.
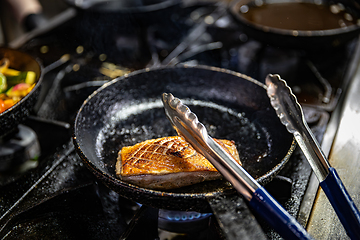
[14,84]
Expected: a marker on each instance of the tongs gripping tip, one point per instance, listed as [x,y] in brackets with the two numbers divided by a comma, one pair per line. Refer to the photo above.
[188,126]
[291,115]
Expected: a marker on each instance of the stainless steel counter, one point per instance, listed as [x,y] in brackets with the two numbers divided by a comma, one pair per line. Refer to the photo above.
[342,144]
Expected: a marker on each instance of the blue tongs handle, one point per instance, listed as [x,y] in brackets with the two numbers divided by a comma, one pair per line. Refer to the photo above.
[187,125]
[342,203]
[285,224]
[291,115]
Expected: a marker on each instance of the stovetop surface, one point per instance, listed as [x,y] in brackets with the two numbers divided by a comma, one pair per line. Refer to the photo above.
[61,199]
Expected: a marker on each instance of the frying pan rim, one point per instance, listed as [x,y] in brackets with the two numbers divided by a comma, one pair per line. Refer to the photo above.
[287,32]
[141,9]
[159,193]
[37,85]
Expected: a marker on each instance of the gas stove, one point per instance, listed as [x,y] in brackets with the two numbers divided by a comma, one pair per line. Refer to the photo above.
[52,195]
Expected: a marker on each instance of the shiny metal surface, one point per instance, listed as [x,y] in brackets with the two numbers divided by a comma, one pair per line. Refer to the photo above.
[344,155]
[187,125]
[328,138]
[291,115]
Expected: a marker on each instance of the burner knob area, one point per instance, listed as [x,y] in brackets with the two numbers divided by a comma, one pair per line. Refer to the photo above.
[18,149]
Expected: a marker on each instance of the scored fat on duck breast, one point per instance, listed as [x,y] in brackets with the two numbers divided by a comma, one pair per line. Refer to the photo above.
[167,163]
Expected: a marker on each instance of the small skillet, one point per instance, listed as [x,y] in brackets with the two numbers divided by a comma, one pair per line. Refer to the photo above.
[299,38]
[20,111]
[129,110]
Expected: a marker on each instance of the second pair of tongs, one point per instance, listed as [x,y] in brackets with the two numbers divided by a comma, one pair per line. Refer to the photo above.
[188,126]
[291,115]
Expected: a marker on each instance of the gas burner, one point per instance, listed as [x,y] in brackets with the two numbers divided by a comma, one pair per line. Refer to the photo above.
[183,221]
[19,148]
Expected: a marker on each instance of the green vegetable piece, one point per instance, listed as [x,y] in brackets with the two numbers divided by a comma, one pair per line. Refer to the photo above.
[13,80]
[3,83]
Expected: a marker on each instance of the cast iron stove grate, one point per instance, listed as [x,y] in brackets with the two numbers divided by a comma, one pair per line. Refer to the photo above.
[60,199]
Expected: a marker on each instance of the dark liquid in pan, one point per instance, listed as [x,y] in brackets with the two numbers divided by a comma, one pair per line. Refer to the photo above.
[298,16]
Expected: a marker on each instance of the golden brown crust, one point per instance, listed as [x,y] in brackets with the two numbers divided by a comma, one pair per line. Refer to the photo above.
[164,156]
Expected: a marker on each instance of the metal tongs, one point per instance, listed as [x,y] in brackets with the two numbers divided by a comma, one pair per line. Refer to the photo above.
[291,115]
[188,126]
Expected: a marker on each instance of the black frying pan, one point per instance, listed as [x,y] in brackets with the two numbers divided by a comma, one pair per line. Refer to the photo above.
[301,39]
[10,118]
[129,110]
